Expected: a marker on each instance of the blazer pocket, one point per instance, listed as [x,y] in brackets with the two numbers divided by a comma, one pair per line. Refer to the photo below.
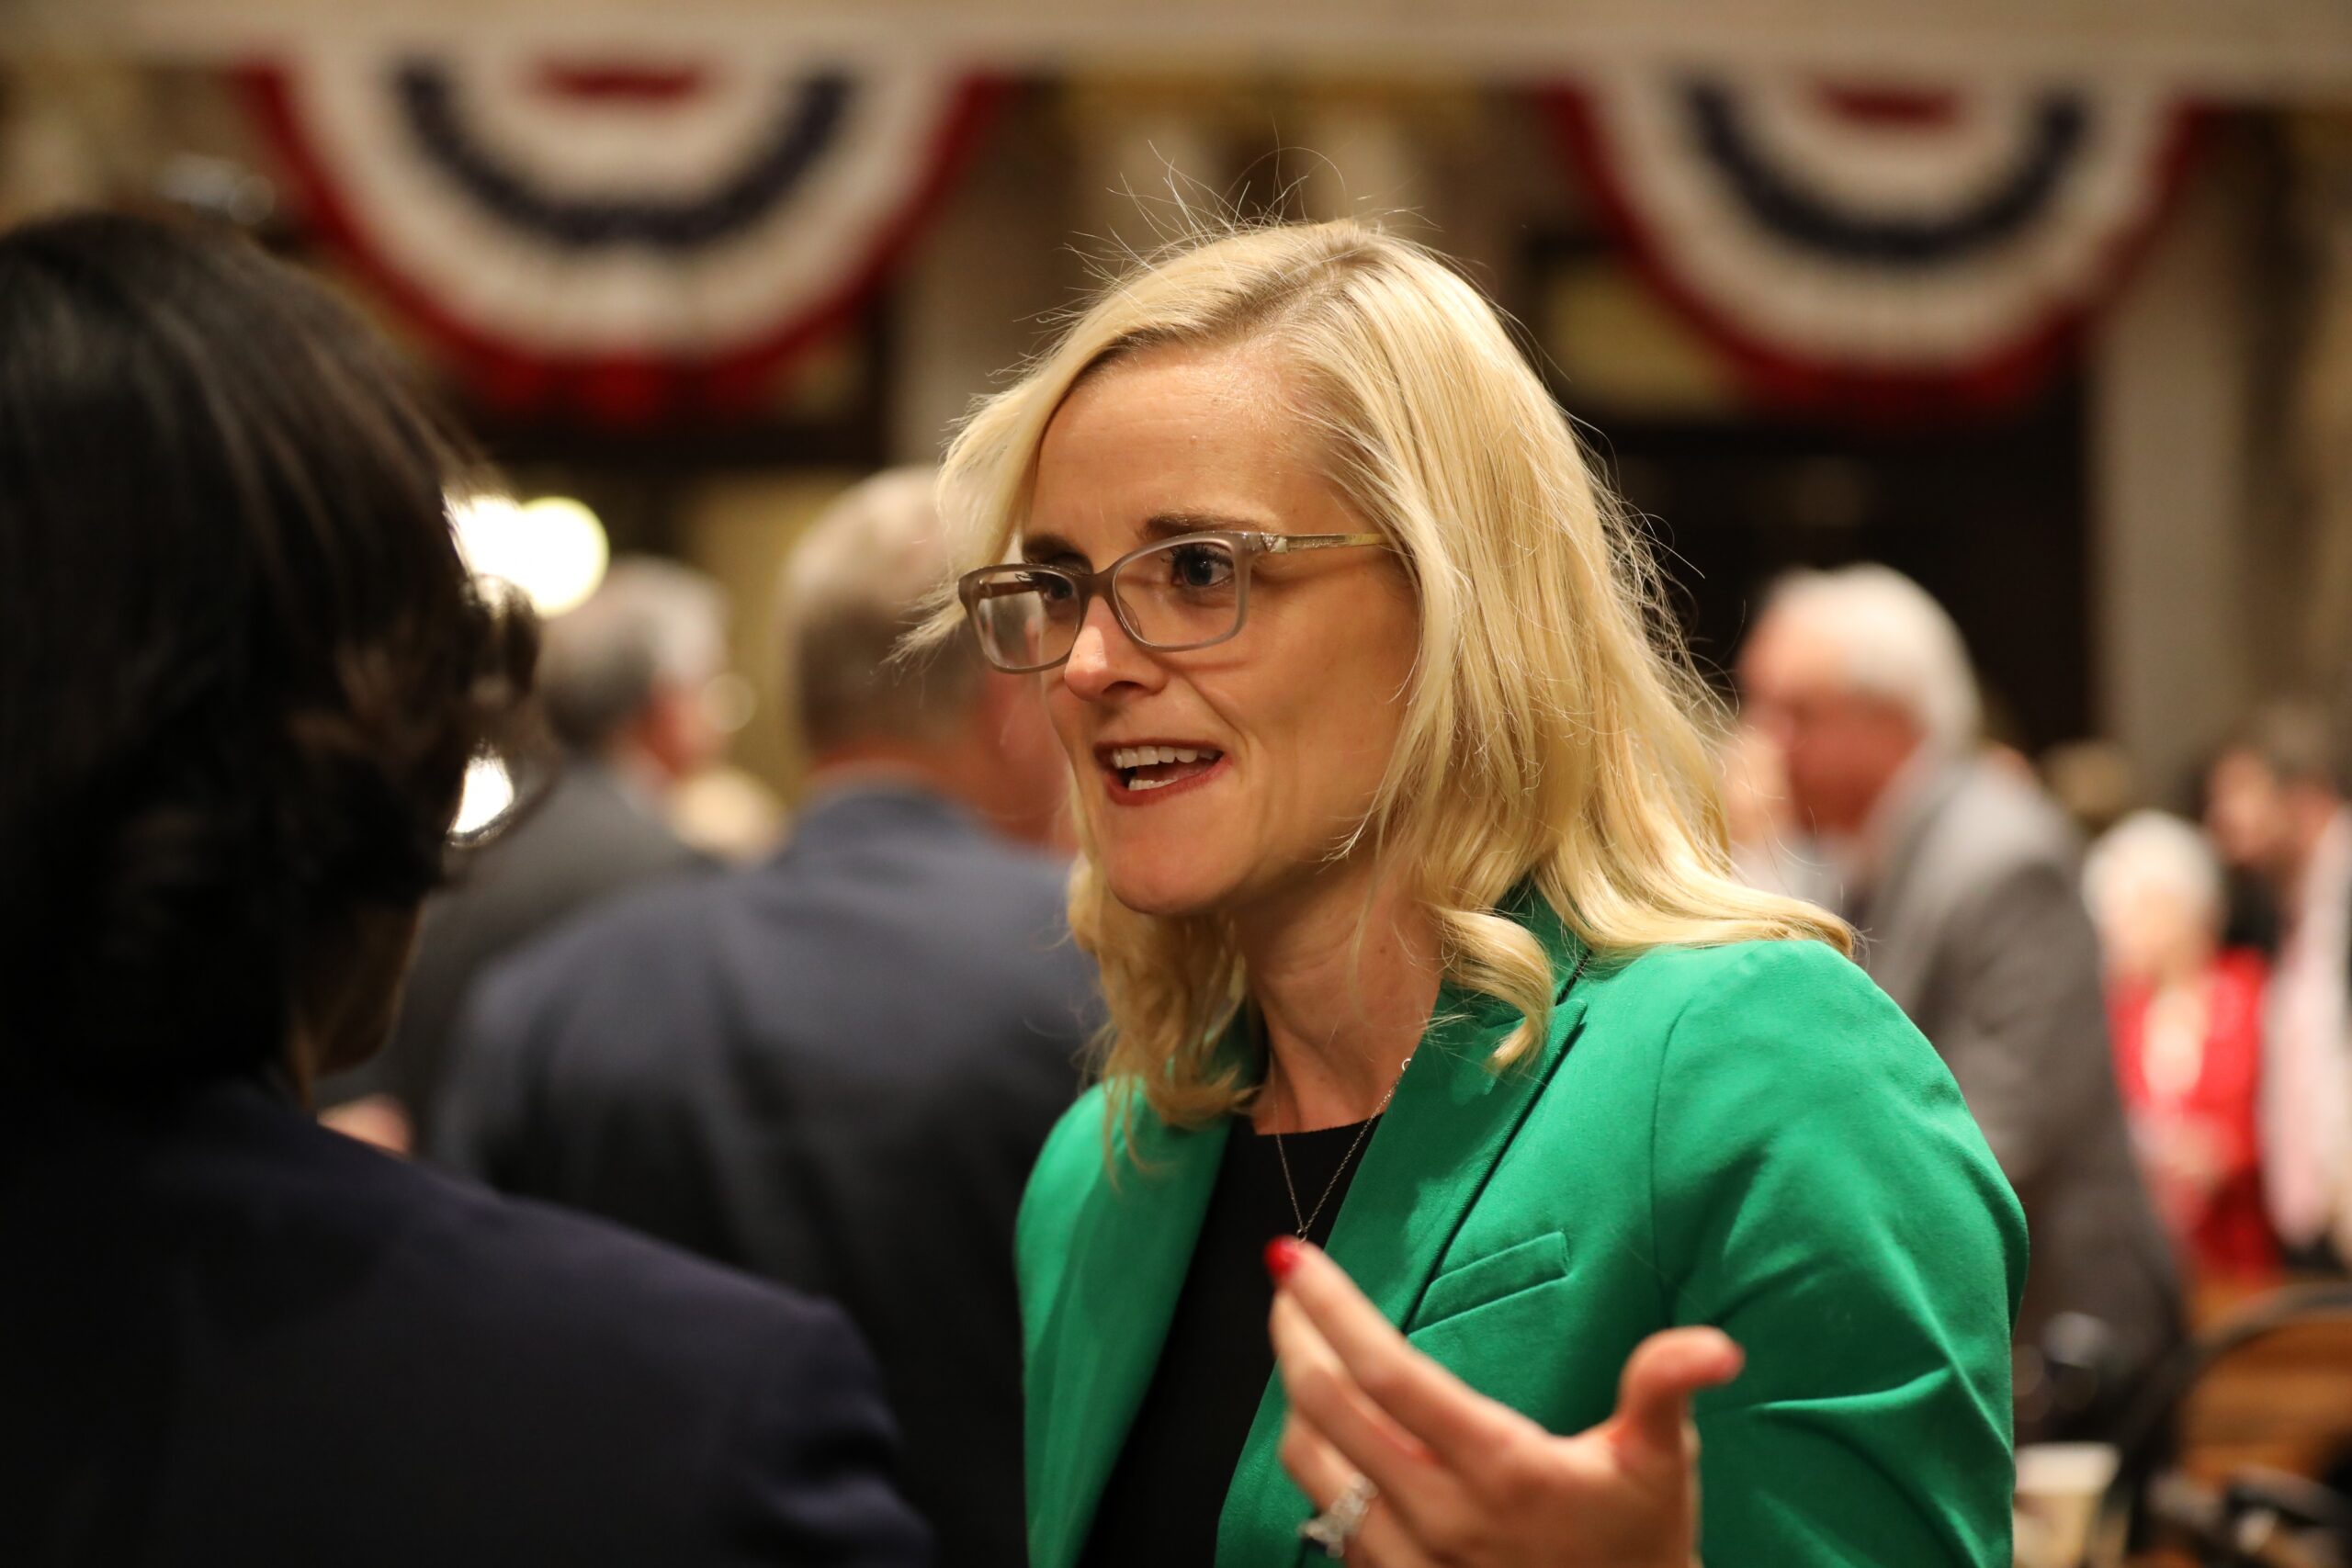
[1482,1281]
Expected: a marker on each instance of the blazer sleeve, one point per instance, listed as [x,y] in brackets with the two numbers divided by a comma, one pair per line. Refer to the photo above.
[1820,1192]
[808,1476]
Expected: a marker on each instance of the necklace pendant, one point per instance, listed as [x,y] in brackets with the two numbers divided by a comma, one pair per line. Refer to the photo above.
[1306,1218]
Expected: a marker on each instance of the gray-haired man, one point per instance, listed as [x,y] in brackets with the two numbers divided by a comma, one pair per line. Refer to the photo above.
[834,1069]
[1963,879]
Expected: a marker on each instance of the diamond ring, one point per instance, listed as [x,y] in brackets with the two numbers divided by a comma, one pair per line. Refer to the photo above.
[1336,1526]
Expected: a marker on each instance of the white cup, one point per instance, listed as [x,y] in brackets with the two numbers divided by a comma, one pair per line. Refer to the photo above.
[2059,1489]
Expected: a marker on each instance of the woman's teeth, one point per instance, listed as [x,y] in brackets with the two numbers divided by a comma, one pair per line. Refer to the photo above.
[1167,764]
[1144,756]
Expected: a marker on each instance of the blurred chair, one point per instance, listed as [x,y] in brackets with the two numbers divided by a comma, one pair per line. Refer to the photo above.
[2262,1404]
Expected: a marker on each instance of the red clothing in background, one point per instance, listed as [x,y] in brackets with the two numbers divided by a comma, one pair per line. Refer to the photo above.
[2190,1068]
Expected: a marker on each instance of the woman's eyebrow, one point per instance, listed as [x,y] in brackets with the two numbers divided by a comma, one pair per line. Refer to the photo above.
[1047,546]
[1169,524]
[1158,526]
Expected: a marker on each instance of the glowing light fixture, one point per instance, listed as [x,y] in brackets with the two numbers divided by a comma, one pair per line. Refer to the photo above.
[489,793]
[553,548]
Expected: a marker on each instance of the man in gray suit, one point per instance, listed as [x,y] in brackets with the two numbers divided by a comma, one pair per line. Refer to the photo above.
[835,1069]
[1963,879]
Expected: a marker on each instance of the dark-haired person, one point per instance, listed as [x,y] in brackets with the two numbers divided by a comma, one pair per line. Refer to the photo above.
[241,672]
[2280,806]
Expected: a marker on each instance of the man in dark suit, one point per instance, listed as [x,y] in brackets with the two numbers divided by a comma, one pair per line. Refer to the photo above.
[621,682]
[241,672]
[1964,881]
[834,1069]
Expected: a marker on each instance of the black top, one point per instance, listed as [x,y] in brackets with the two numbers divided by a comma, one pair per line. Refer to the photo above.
[835,1070]
[1162,1501]
[228,1336]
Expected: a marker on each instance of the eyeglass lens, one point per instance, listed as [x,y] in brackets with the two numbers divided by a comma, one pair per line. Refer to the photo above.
[1183,593]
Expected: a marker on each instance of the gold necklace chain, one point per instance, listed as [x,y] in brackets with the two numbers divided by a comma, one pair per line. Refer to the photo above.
[1306,1221]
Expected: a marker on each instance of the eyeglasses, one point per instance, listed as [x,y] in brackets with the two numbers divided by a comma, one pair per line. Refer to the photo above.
[1185,593]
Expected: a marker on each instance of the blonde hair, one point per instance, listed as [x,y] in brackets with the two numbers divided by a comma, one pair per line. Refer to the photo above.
[1551,731]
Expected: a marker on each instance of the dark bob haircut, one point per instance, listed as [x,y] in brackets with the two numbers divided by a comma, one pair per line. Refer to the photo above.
[243,668]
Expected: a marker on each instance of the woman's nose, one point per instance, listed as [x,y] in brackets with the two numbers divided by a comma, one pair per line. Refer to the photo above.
[1104,657]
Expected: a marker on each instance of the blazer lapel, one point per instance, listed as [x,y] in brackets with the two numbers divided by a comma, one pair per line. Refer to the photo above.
[1130,1251]
[1450,1121]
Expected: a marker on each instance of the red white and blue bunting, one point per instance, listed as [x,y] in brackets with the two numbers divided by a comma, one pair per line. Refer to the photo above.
[1886,251]
[623,239]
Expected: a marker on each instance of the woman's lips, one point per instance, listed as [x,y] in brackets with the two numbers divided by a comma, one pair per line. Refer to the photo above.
[1145,782]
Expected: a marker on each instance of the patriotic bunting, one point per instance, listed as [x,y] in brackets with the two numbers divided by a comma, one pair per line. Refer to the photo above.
[1888,251]
[620,239]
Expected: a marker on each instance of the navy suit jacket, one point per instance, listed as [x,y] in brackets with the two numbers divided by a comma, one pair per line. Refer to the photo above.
[228,1336]
[834,1069]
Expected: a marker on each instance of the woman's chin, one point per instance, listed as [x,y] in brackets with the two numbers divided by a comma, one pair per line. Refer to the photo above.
[1164,892]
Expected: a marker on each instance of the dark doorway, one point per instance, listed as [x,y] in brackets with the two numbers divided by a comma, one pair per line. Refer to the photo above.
[1987,512]
[1988,517]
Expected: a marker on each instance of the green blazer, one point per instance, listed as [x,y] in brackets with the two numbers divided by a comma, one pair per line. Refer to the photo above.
[1751,1136]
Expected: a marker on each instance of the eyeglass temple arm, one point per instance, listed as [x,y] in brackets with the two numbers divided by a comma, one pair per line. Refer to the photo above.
[997,587]
[1285,544]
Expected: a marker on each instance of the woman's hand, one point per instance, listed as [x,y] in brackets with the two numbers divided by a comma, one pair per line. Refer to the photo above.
[1466,1482]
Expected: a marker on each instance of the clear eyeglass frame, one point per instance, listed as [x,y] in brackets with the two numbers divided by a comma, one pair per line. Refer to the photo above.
[990,585]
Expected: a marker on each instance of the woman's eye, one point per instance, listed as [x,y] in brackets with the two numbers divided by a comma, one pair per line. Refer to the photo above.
[1200,566]
[1052,587]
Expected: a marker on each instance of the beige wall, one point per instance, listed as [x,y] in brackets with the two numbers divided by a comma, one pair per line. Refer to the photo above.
[2219,48]
[2177,598]
[2218,572]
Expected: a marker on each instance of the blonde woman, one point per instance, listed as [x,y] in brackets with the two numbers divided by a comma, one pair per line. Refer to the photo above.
[1405,871]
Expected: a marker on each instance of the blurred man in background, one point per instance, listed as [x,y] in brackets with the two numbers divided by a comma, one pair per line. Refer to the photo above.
[2278,806]
[621,683]
[1962,880]
[2242,804]
[835,1069]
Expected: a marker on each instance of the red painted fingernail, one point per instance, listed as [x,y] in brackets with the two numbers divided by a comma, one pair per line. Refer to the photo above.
[1282,1256]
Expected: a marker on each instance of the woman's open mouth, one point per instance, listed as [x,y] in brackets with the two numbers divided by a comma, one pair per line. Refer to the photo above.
[1138,774]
